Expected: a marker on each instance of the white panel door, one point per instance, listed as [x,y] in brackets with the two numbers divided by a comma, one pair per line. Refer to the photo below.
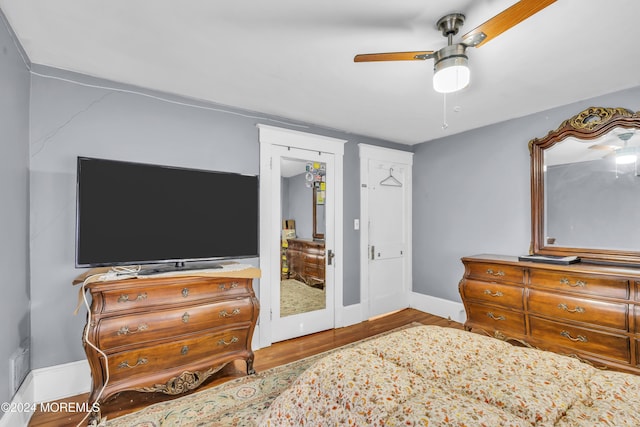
[385,240]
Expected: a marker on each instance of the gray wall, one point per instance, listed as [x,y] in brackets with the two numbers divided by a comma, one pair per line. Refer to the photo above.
[70,119]
[299,206]
[471,193]
[14,210]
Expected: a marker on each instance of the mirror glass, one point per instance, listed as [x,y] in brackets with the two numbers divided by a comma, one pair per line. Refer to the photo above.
[585,187]
[592,192]
[302,266]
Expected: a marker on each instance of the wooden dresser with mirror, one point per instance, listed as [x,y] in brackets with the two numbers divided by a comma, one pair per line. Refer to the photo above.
[585,203]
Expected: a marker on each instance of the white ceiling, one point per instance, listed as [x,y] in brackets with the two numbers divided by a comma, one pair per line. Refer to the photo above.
[294,58]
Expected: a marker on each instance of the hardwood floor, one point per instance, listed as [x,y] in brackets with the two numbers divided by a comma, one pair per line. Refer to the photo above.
[266,358]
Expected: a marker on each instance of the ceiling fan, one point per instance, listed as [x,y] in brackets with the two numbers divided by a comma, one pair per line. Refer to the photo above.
[451,72]
[625,152]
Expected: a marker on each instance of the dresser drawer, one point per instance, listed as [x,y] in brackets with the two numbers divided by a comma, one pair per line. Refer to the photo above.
[494,293]
[593,285]
[495,272]
[582,340]
[606,314]
[313,259]
[184,291]
[170,356]
[492,319]
[120,331]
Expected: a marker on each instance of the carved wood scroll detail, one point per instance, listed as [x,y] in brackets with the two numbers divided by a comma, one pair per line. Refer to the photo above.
[594,116]
[587,121]
[184,382]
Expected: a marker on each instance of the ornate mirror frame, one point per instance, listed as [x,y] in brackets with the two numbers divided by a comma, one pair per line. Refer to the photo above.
[317,235]
[591,123]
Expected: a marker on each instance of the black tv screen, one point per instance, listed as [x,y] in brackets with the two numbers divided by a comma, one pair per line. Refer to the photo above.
[134,213]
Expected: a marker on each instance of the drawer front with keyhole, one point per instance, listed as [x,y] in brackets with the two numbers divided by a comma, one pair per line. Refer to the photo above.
[128,365]
[610,287]
[496,273]
[490,318]
[148,293]
[493,293]
[122,331]
[577,309]
[581,340]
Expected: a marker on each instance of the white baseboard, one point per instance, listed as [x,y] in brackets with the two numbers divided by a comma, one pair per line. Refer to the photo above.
[439,307]
[47,384]
[57,382]
[24,396]
[352,314]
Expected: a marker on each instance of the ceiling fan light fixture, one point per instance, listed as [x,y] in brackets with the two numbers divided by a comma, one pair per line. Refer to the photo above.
[451,70]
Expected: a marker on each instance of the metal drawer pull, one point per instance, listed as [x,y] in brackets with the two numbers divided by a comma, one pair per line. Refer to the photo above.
[185,317]
[580,338]
[493,273]
[185,292]
[494,317]
[223,286]
[125,364]
[126,331]
[232,341]
[125,297]
[184,350]
[564,307]
[496,294]
[578,284]
[224,313]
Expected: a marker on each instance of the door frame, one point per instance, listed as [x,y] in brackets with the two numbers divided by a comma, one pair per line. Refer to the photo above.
[270,136]
[405,158]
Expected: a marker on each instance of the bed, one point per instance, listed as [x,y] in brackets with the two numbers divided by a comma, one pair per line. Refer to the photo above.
[438,376]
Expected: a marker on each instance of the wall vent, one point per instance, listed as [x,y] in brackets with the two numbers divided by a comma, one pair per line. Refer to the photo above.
[19,366]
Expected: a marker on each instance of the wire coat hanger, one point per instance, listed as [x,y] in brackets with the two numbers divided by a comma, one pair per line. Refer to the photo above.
[391,180]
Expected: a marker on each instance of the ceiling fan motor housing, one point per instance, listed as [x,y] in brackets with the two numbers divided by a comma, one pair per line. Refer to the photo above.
[451,71]
[454,51]
[450,24]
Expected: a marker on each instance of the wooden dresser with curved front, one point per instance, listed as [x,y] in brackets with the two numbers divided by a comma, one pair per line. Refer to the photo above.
[306,260]
[588,310]
[167,334]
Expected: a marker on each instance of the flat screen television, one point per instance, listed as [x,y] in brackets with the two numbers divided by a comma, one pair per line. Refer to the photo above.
[135,213]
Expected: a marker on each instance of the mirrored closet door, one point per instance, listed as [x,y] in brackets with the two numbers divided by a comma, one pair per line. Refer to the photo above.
[303,302]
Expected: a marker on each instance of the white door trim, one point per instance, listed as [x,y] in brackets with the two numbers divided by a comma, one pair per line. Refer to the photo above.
[270,136]
[371,152]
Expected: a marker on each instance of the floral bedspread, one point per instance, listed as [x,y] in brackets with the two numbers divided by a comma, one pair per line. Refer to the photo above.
[435,376]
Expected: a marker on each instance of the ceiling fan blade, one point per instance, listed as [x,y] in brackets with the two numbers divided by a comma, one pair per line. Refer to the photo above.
[506,19]
[394,56]
[603,147]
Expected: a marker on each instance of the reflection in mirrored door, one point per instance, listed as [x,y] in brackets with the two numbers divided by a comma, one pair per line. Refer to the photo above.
[304,302]
[303,190]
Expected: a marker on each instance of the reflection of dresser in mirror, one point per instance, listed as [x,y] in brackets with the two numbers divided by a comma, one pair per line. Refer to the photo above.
[305,258]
